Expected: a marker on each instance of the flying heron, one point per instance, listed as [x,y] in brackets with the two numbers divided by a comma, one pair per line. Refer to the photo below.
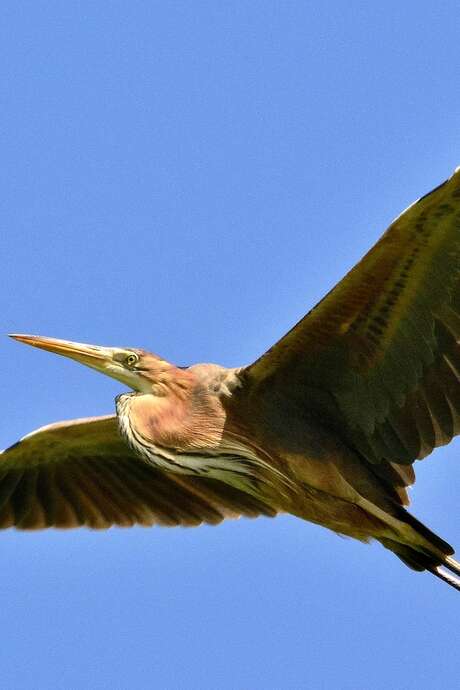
[326,425]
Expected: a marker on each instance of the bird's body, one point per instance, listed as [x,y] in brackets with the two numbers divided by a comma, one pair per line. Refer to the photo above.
[325,425]
[310,473]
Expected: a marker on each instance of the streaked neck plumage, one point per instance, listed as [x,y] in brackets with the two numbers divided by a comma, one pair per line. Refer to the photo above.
[182,426]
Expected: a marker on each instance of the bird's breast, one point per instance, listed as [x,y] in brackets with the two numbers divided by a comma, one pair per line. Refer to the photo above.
[143,426]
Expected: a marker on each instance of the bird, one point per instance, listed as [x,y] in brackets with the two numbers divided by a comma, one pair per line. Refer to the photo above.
[326,425]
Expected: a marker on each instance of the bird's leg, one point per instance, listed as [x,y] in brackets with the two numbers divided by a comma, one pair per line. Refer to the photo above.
[446,577]
[452,565]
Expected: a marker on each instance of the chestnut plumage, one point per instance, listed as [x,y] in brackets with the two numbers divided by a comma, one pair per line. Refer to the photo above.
[326,425]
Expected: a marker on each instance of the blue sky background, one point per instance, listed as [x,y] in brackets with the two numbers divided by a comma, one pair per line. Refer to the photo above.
[191,177]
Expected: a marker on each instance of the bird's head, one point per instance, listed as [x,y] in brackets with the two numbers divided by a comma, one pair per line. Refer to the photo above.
[138,369]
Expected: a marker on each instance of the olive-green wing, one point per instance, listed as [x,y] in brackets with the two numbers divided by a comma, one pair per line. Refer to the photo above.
[378,358]
[82,473]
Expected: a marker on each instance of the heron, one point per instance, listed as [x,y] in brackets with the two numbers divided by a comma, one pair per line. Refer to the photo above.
[325,426]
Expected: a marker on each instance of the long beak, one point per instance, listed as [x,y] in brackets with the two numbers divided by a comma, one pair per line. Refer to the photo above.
[92,355]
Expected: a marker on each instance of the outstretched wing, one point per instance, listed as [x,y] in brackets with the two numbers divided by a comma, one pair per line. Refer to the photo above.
[378,359]
[82,473]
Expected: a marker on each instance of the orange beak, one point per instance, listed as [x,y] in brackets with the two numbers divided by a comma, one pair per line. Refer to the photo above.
[91,355]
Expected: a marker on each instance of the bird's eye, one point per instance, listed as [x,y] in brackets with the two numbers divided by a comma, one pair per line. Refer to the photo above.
[131,360]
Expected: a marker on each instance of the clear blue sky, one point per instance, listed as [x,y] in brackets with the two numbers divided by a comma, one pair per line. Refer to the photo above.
[191,177]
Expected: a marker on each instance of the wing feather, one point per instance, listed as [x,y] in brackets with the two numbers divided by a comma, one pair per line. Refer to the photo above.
[378,359]
[82,473]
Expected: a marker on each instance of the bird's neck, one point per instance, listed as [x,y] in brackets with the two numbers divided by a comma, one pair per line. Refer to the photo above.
[188,432]
[181,413]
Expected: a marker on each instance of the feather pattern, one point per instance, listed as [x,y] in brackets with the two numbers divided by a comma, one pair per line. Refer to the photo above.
[82,473]
[378,359]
